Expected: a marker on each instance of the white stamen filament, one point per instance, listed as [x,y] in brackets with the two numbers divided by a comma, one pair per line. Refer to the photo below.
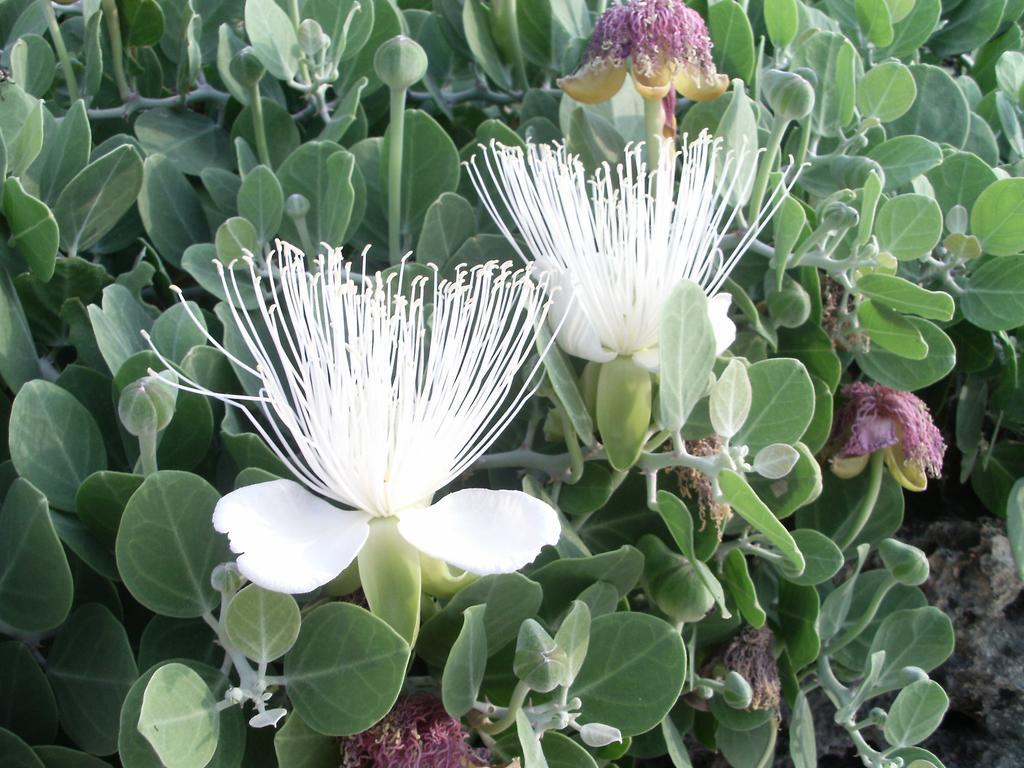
[626,236]
[378,392]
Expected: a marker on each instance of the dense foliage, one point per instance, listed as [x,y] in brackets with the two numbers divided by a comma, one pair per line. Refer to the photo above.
[727,523]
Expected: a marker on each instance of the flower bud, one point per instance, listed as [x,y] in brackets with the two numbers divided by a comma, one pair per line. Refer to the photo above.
[790,96]
[146,405]
[907,564]
[838,216]
[400,62]
[246,68]
[737,694]
[226,578]
[312,39]
[539,662]
[297,206]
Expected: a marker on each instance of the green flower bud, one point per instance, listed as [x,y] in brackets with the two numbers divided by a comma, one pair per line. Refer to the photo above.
[789,95]
[400,62]
[737,694]
[226,578]
[297,206]
[907,564]
[312,39]
[246,68]
[673,583]
[146,405]
[837,216]
[538,661]
[624,394]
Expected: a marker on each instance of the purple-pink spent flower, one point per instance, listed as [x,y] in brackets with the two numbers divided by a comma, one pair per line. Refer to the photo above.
[666,44]
[878,418]
[417,733]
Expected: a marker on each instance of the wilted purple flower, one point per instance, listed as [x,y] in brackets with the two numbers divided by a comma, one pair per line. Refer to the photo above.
[417,733]
[666,43]
[878,418]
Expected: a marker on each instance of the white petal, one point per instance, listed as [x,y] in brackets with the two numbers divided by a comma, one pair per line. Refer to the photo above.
[724,328]
[269,717]
[575,333]
[649,359]
[287,539]
[482,531]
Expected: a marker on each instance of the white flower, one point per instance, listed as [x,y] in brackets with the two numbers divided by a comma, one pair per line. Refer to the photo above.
[617,244]
[376,392]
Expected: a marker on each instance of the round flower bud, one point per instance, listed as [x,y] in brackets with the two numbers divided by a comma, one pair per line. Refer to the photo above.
[737,693]
[297,206]
[400,62]
[312,39]
[226,578]
[837,216]
[146,405]
[246,68]
[789,95]
[907,564]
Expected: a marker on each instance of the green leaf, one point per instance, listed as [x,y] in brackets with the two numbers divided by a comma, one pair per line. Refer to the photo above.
[33,228]
[834,60]
[993,296]
[823,558]
[562,752]
[996,217]
[563,381]
[447,224]
[677,751]
[464,670]
[746,503]
[190,141]
[35,582]
[273,38]
[1015,524]
[175,333]
[782,20]
[633,673]
[477,29]
[170,209]
[143,22]
[33,64]
[118,326]
[261,201]
[803,748]
[919,637]
[18,361]
[904,158]
[875,21]
[166,547]
[136,752]
[730,399]
[97,197]
[960,179]
[533,755]
[27,142]
[901,373]
[346,669]
[179,717]
[296,745]
[322,172]
[687,350]
[573,637]
[27,705]
[891,331]
[282,133]
[679,522]
[732,39]
[54,441]
[940,111]
[738,129]
[737,580]
[782,403]
[971,23]
[908,226]
[905,296]
[262,624]
[235,238]
[16,752]
[91,668]
[564,579]
[510,598]
[916,713]
[798,622]
[430,166]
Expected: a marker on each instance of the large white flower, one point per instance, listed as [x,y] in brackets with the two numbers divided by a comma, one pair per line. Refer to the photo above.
[617,243]
[376,392]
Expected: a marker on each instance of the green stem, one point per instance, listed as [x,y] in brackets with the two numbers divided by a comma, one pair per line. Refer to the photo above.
[147,452]
[62,51]
[519,695]
[116,48]
[848,534]
[779,125]
[396,141]
[654,118]
[513,30]
[262,149]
